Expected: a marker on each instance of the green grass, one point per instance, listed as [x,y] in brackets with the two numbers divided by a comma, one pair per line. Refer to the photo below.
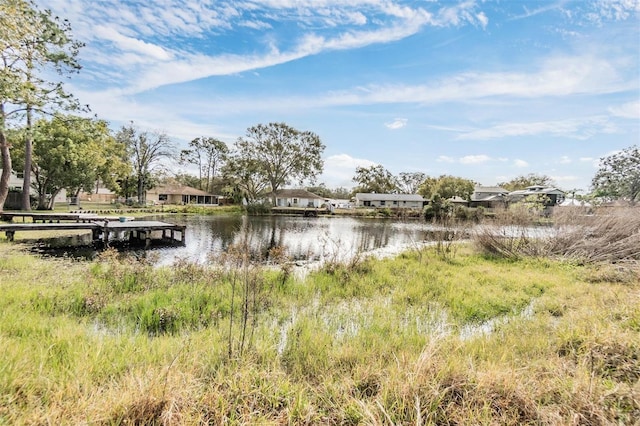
[417,339]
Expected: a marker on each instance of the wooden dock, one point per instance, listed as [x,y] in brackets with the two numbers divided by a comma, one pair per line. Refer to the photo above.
[304,211]
[102,230]
[49,217]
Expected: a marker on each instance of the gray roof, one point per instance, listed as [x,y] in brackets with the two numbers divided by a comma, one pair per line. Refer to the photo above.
[388,197]
[532,190]
[296,193]
[489,193]
[490,189]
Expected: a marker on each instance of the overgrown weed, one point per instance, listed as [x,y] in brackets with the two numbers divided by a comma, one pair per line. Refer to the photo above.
[367,345]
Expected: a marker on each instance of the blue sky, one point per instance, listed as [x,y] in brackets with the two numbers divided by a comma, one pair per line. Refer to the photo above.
[485,90]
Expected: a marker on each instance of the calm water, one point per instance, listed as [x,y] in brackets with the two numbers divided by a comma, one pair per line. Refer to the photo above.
[303,239]
[312,239]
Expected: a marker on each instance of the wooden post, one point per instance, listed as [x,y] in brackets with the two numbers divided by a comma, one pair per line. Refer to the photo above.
[10,235]
[105,236]
[147,240]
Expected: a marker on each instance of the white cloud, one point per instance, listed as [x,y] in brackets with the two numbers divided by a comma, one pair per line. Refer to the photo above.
[615,10]
[130,44]
[564,179]
[475,159]
[141,28]
[398,123]
[627,110]
[578,128]
[339,169]
[445,159]
[520,163]
[564,160]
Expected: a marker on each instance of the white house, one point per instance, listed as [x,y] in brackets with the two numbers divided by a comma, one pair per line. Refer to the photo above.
[15,184]
[180,194]
[394,201]
[297,198]
[553,196]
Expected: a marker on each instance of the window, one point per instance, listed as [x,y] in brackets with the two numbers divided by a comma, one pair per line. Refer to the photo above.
[163,197]
[295,201]
[395,203]
[366,203]
[382,203]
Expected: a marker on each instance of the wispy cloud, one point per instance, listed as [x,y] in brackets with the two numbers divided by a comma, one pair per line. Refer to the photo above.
[398,123]
[467,159]
[579,128]
[130,44]
[627,110]
[445,159]
[520,163]
[475,159]
[318,26]
[528,12]
[611,10]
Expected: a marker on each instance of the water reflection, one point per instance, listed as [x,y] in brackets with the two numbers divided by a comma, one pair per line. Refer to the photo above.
[313,239]
[303,239]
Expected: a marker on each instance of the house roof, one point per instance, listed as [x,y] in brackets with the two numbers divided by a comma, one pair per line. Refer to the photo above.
[490,189]
[178,190]
[456,199]
[488,193]
[296,193]
[388,197]
[537,189]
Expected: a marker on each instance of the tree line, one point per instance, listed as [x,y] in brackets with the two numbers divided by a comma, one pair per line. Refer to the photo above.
[45,137]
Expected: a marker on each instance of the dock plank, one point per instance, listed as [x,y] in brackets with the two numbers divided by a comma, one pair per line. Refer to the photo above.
[101,229]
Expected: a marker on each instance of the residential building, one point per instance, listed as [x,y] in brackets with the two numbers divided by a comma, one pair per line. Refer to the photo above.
[297,198]
[488,197]
[180,194]
[551,196]
[394,201]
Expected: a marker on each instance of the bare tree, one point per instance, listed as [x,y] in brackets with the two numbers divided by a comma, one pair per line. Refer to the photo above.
[209,154]
[145,151]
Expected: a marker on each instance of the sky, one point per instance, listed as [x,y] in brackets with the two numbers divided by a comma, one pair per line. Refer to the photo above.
[480,89]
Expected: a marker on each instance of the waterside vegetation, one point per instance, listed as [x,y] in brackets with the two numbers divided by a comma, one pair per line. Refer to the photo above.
[433,336]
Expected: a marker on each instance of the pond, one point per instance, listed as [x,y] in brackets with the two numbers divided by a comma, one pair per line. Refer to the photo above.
[303,239]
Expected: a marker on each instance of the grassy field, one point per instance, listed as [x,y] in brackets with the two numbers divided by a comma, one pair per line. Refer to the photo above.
[418,339]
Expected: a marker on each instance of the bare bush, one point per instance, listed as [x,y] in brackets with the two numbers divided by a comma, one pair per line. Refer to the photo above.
[510,234]
[608,235]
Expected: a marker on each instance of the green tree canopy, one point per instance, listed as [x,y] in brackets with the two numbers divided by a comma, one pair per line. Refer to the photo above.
[34,43]
[524,181]
[619,175]
[272,156]
[447,186]
[375,179]
[323,191]
[70,153]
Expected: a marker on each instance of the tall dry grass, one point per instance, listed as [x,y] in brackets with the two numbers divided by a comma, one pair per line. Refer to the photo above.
[607,235]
